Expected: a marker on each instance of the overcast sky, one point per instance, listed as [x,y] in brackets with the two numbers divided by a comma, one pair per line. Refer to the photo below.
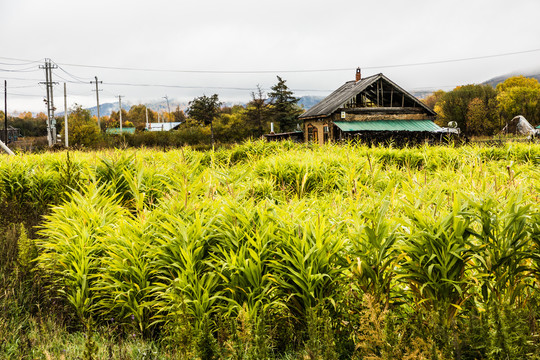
[228,47]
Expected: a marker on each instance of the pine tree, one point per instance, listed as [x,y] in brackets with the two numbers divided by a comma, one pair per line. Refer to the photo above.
[258,111]
[204,110]
[285,106]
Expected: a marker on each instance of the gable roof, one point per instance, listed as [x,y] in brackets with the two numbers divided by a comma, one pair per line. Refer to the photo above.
[339,97]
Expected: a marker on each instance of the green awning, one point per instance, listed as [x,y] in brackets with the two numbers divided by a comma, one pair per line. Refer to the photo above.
[388,125]
[116,131]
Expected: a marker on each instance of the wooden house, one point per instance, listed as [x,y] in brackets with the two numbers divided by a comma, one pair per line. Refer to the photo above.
[371,104]
[13,134]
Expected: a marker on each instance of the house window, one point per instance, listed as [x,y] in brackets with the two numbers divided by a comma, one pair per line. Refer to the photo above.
[326,133]
[313,134]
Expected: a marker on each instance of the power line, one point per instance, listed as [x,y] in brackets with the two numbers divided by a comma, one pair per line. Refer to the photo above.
[21,79]
[77,78]
[16,94]
[203,87]
[80,80]
[24,61]
[299,70]
[452,60]
[30,69]
[22,86]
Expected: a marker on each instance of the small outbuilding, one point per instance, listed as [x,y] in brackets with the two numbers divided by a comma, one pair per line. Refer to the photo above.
[374,104]
[13,134]
[164,126]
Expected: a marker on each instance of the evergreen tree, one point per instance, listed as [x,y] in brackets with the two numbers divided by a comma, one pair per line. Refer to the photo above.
[178,115]
[258,111]
[204,110]
[285,106]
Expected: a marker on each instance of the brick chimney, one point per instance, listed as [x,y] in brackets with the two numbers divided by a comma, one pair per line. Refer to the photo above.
[358,74]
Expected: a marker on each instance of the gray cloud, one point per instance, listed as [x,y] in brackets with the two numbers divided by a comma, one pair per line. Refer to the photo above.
[247,35]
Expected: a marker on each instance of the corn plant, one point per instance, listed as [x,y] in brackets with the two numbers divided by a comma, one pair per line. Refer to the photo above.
[504,238]
[125,286]
[72,245]
[308,262]
[186,285]
[243,254]
[373,254]
[255,249]
[435,258]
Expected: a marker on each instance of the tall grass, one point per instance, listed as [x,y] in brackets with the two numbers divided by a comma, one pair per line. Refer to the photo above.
[267,250]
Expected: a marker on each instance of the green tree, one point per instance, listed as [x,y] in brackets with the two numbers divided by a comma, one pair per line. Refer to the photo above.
[178,115]
[28,126]
[519,95]
[433,99]
[284,106]
[82,129]
[114,119]
[137,115]
[477,114]
[231,125]
[204,110]
[454,106]
[258,112]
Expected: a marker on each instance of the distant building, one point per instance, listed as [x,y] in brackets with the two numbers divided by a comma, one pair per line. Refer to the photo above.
[12,133]
[374,104]
[164,126]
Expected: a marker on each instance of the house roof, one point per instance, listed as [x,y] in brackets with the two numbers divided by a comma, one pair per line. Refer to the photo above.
[164,126]
[125,130]
[388,125]
[339,97]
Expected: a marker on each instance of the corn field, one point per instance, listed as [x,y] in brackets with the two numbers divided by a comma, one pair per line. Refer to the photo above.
[286,251]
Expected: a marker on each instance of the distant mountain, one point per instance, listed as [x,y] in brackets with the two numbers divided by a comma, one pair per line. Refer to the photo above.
[499,79]
[422,94]
[107,108]
[309,101]
[159,106]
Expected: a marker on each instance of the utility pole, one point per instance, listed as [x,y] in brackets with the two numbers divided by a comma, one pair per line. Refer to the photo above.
[5,112]
[97,99]
[51,122]
[120,106]
[166,98]
[146,108]
[66,137]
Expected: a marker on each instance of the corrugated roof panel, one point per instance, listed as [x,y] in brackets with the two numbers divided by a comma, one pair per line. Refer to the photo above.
[388,125]
[164,126]
[125,130]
